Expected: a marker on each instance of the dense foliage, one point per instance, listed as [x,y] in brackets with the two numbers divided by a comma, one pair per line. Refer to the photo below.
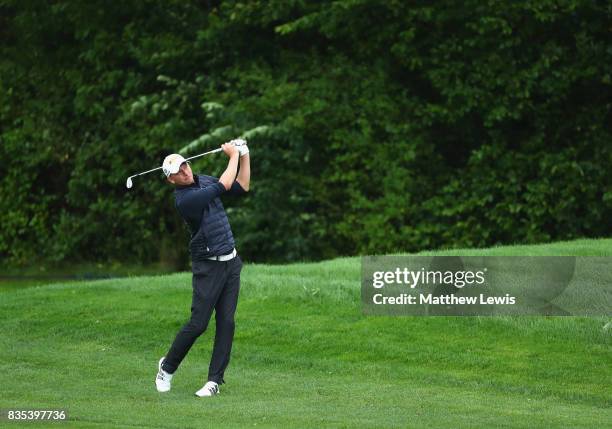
[374,125]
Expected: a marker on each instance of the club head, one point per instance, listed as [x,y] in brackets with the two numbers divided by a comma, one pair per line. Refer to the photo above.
[128,183]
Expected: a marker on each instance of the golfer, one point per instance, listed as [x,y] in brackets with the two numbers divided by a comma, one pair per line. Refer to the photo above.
[215,263]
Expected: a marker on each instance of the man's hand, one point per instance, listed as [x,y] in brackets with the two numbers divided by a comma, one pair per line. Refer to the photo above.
[230,150]
[241,144]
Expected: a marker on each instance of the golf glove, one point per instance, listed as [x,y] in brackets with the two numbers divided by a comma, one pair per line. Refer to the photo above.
[241,144]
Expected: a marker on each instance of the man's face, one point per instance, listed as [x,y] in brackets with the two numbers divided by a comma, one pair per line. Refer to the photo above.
[183,177]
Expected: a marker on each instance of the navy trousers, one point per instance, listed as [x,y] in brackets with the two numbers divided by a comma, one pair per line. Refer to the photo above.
[216,285]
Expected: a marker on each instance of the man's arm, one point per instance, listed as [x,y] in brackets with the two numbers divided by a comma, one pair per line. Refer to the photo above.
[227,178]
[244,175]
[191,203]
[235,190]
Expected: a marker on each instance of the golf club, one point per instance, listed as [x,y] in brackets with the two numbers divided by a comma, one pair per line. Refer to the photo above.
[128,183]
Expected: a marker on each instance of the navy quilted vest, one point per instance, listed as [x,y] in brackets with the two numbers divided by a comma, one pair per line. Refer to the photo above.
[211,234]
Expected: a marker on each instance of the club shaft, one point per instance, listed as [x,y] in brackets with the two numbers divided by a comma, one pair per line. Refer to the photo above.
[145,172]
[186,159]
[205,153]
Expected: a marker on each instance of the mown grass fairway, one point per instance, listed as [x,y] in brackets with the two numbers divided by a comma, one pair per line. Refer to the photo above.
[304,356]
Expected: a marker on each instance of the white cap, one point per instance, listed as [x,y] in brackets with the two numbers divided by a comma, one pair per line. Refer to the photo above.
[172,164]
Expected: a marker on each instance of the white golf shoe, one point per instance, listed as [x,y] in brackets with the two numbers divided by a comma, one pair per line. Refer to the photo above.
[163,379]
[210,389]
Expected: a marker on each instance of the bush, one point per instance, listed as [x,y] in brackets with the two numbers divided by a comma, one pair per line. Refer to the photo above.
[375,126]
